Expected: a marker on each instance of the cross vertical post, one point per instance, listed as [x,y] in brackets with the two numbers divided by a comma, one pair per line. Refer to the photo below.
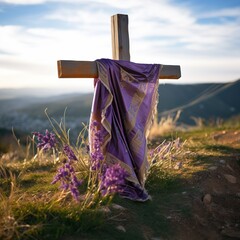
[120,37]
[120,50]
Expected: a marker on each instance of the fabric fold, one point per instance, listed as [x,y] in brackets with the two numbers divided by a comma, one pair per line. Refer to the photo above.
[124,102]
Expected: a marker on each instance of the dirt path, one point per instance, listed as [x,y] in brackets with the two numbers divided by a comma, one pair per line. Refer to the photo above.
[215,205]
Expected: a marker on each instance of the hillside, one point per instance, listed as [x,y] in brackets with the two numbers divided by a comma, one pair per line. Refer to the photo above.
[26,111]
[195,195]
[208,101]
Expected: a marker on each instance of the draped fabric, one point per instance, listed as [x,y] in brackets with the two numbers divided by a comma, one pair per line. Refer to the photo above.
[124,102]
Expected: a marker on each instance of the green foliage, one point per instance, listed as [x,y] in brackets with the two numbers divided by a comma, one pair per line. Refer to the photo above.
[222,149]
[55,220]
[160,180]
[35,206]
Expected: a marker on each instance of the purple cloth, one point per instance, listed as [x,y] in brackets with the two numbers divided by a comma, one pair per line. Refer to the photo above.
[124,103]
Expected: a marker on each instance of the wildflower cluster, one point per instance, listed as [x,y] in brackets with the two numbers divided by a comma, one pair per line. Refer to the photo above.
[66,174]
[69,181]
[111,178]
[96,153]
[107,179]
[69,153]
[47,141]
[165,153]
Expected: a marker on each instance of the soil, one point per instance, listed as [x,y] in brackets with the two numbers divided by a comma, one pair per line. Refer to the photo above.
[215,205]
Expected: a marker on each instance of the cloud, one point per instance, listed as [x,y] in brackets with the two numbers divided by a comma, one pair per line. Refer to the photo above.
[226,12]
[116,3]
[22,2]
[159,21]
[31,54]
[82,19]
[160,32]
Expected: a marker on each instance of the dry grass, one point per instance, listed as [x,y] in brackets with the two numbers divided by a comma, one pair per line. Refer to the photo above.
[11,226]
[165,125]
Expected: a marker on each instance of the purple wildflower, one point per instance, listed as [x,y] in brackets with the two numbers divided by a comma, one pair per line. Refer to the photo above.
[69,153]
[151,153]
[74,192]
[69,181]
[96,151]
[113,180]
[46,141]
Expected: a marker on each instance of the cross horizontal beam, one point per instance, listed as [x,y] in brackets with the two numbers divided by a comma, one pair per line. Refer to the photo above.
[88,69]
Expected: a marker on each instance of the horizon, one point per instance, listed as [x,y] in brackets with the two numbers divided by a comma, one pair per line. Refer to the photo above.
[198,36]
[54,92]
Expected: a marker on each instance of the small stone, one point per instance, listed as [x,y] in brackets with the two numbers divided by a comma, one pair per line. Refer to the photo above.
[230,178]
[169,217]
[184,193]
[222,161]
[117,207]
[207,199]
[238,194]
[212,168]
[121,228]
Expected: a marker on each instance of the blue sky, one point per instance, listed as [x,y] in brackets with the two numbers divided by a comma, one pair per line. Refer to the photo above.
[201,36]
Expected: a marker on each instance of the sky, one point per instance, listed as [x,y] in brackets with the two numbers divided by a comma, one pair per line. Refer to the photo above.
[203,37]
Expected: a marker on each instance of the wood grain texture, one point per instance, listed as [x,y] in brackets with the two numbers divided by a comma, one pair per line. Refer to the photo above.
[170,72]
[88,69]
[120,37]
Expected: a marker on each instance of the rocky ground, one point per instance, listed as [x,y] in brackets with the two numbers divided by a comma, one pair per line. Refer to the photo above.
[215,205]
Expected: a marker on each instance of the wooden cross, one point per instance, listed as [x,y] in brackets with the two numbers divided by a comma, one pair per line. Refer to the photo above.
[120,51]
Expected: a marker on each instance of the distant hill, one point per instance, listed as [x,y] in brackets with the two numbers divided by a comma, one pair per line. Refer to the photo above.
[25,111]
[78,105]
[207,101]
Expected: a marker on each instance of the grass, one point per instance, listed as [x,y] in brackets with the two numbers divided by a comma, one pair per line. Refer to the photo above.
[52,220]
[38,213]
[32,208]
